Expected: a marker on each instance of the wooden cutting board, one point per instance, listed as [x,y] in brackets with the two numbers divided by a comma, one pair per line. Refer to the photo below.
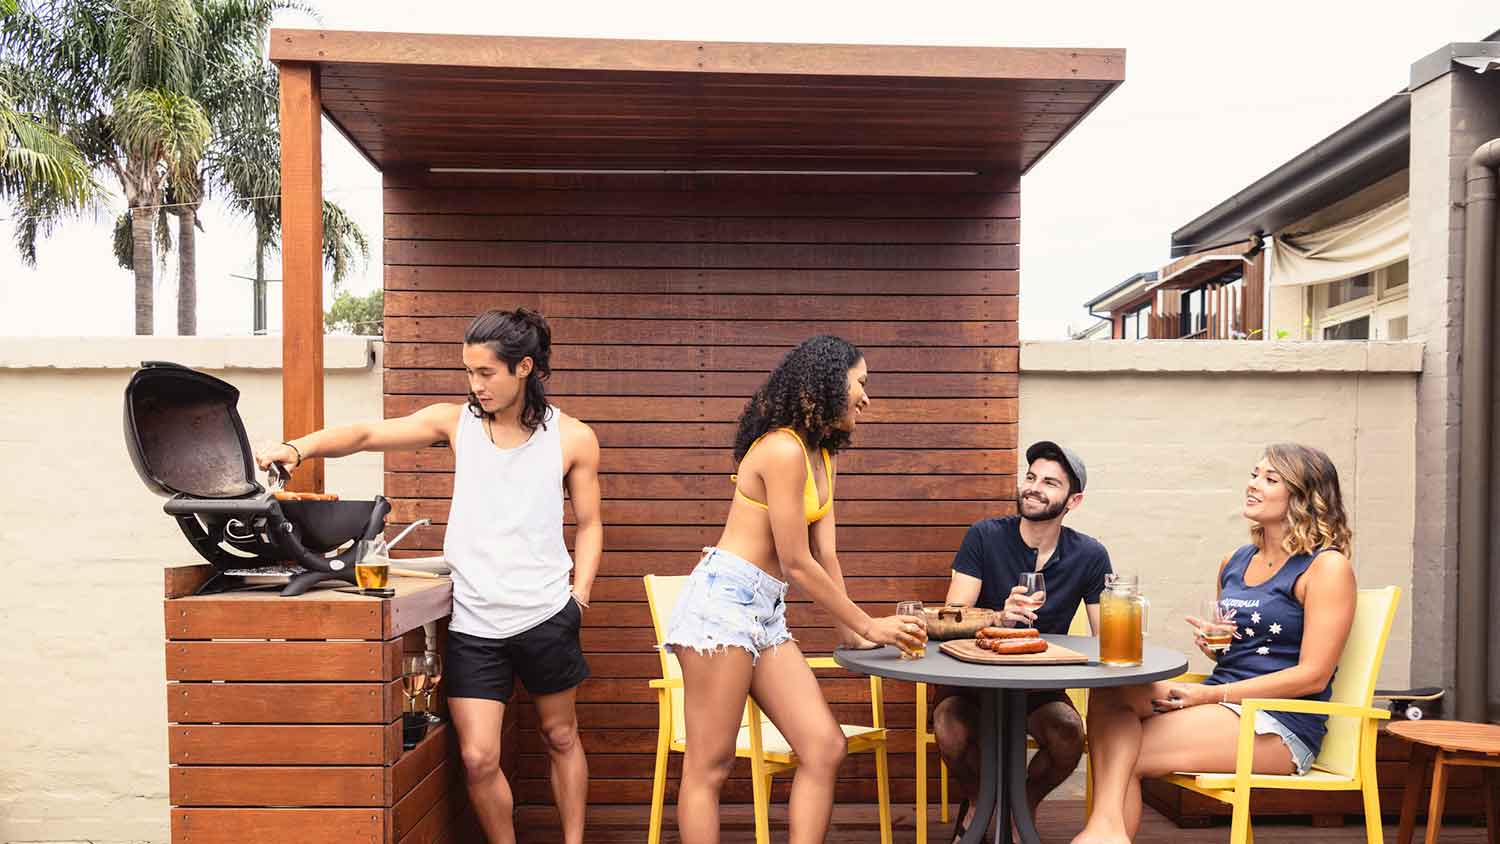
[967,650]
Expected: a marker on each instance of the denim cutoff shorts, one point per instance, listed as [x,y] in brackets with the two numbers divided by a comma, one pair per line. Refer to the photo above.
[1266,724]
[728,601]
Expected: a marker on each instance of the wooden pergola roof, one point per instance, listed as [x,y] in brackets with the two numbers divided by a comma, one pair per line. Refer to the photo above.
[567,103]
[489,103]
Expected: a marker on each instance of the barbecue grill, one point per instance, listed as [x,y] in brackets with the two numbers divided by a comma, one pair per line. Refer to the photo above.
[188,444]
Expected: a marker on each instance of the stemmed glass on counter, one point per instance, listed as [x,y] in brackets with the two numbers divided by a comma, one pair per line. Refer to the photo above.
[414,680]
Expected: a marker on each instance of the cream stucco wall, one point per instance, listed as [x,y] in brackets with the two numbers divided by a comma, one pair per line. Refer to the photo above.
[1169,431]
[83,740]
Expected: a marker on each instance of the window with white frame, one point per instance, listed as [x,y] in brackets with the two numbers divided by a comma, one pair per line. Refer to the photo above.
[1136,323]
[1368,306]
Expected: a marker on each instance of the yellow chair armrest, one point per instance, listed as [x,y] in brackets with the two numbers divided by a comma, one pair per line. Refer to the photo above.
[822,662]
[1313,707]
[1190,677]
[667,683]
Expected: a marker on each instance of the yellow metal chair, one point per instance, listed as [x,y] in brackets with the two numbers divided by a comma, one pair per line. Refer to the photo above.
[759,740]
[1346,761]
[1078,627]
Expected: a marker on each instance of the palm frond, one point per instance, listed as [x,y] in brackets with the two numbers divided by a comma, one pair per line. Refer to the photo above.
[31,152]
[166,127]
[124,242]
[155,44]
[342,240]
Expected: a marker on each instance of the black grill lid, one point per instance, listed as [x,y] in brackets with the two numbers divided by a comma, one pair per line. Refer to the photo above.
[185,434]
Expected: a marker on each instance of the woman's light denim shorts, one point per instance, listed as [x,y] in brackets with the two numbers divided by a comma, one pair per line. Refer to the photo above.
[1266,724]
[728,601]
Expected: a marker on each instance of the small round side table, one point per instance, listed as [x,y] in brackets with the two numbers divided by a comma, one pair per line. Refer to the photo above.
[1446,744]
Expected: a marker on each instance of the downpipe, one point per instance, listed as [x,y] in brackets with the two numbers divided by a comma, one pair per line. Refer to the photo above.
[1478,662]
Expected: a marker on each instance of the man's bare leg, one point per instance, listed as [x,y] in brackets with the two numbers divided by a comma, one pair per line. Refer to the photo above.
[569,768]
[478,723]
[955,725]
[1058,730]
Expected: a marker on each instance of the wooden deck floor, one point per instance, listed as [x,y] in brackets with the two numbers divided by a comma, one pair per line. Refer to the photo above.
[1060,821]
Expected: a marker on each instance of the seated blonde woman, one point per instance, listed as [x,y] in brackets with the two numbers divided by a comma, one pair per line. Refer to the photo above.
[1293,592]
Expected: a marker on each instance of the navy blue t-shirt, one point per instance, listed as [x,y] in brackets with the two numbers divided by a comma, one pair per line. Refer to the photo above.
[994,552]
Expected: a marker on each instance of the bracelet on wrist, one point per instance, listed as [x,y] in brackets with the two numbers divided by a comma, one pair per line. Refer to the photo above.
[295,449]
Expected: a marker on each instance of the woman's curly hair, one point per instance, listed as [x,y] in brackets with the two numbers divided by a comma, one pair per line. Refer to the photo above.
[1315,517]
[514,336]
[808,391]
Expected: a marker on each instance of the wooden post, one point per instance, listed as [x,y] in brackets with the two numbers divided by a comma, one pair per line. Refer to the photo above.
[302,261]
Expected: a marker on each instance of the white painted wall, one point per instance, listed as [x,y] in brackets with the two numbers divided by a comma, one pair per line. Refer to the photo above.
[83,740]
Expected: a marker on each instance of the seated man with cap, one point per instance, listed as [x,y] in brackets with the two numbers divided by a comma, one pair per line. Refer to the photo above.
[987,573]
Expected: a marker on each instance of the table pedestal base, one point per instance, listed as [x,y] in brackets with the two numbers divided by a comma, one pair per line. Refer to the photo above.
[1002,777]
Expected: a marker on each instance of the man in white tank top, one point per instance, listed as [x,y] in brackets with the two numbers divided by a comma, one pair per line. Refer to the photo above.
[514,610]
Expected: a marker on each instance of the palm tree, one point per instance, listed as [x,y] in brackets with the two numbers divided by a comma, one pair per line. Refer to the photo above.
[116,76]
[246,160]
[234,34]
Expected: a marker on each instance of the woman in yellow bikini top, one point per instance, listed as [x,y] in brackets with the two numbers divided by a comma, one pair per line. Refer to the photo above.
[728,627]
[813,510]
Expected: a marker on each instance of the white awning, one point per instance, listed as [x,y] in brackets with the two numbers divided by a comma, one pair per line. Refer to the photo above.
[1374,239]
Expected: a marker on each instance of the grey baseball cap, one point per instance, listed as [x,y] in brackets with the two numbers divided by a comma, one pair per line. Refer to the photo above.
[1049,450]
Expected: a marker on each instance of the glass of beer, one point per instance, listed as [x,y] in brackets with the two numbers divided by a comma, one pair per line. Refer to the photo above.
[1218,625]
[912,608]
[372,573]
[1122,621]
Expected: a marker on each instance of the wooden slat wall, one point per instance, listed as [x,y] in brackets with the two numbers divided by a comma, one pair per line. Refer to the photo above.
[670,298]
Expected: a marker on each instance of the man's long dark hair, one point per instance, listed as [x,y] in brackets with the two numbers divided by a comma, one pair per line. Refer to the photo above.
[808,391]
[512,336]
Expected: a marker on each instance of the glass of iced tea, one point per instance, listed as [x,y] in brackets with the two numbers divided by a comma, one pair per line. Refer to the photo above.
[1218,625]
[912,608]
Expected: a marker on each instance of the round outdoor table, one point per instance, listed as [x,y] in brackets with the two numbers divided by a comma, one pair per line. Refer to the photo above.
[1002,721]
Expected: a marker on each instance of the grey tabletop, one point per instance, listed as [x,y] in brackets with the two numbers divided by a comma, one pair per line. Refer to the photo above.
[937,667]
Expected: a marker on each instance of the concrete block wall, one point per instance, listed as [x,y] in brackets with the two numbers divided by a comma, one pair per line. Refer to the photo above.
[84,739]
[1171,429]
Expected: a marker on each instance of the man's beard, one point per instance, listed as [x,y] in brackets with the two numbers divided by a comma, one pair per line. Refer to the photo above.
[1047,514]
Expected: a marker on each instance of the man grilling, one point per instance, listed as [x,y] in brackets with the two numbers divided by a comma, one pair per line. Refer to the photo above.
[514,612]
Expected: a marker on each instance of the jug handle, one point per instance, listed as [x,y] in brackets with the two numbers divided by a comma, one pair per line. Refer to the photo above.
[1145,614]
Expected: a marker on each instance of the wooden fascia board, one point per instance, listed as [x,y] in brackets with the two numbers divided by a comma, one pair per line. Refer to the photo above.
[754,59]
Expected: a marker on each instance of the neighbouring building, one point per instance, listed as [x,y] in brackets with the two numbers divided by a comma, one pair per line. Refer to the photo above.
[1361,237]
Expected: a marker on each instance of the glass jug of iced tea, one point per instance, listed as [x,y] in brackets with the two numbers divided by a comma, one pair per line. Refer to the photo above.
[1122,620]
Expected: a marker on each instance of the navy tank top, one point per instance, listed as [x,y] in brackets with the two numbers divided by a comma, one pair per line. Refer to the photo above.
[1269,621]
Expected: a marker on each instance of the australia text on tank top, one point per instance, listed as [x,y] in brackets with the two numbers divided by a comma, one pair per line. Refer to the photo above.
[1269,620]
[504,541]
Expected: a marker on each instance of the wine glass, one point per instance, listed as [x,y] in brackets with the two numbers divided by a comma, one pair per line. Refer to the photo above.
[433,662]
[1035,585]
[413,679]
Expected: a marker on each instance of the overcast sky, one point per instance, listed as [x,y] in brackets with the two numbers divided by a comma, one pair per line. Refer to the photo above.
[1215,95]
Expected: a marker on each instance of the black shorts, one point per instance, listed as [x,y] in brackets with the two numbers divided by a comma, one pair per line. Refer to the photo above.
[548,658]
